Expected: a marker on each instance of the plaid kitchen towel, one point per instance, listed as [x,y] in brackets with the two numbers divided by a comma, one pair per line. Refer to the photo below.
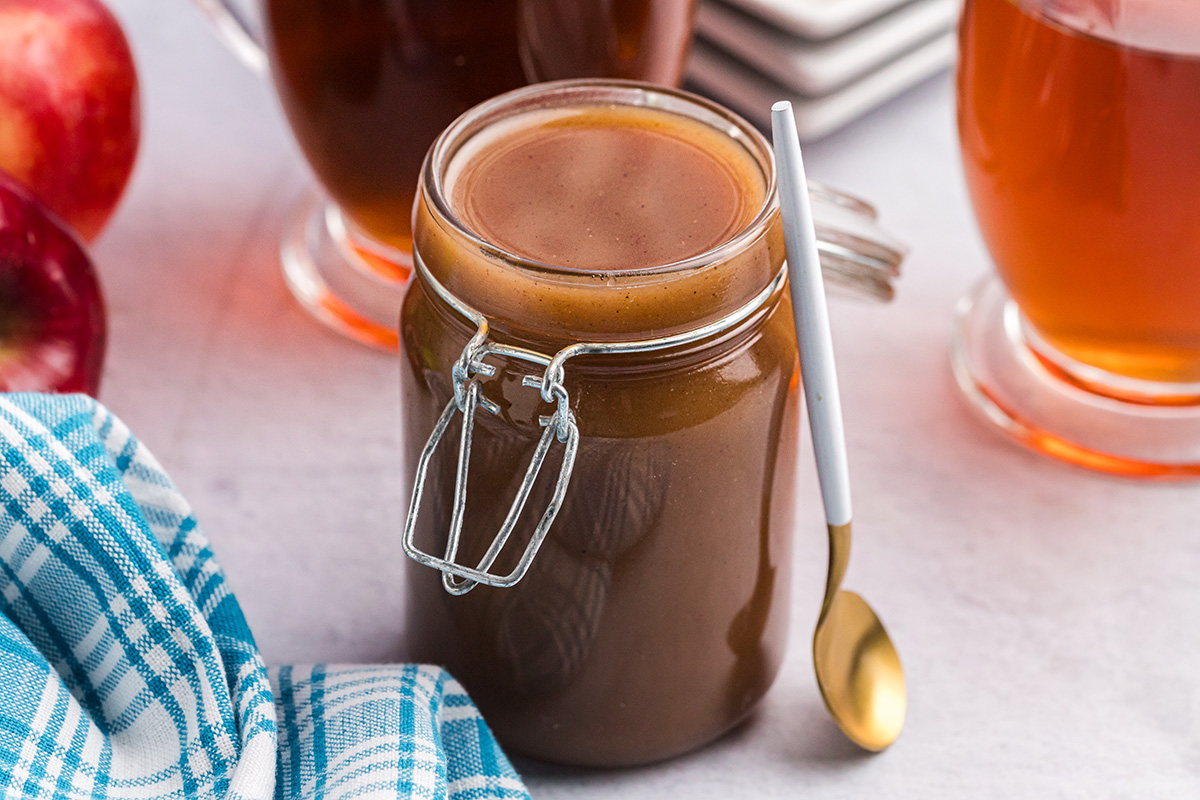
[128,671]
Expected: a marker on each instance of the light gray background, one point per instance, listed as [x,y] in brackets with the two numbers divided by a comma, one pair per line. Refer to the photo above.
[1046,616]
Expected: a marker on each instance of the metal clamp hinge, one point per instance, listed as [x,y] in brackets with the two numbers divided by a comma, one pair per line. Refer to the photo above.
[458,578]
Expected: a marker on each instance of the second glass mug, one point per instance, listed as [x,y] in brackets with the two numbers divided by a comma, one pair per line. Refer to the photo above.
[1079,122]
[367,86]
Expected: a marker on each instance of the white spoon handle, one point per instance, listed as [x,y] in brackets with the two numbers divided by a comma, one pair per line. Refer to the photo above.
[812,319]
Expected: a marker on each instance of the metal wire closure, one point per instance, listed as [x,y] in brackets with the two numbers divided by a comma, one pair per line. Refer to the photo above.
[561,426]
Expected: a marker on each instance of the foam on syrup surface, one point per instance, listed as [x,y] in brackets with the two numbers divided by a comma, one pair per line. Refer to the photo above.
[599,188]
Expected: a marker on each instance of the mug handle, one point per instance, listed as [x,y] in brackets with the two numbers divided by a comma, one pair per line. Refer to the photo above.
[236,31]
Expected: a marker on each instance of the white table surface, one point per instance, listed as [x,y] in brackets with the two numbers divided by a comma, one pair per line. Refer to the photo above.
[1046,616]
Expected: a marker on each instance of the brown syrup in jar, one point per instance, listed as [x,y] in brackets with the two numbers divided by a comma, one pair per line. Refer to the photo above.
[654,616]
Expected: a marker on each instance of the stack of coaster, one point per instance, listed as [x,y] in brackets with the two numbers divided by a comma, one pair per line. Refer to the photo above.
[833,59]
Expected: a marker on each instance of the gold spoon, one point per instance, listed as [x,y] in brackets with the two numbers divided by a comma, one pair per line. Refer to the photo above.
[858,670]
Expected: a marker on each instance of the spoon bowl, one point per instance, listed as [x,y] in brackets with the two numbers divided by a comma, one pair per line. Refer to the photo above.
[859,673]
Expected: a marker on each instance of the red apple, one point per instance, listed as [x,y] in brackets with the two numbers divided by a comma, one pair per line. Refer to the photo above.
[69,113]
[52,321]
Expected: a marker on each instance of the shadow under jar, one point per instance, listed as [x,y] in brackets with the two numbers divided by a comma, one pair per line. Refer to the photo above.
[654,615]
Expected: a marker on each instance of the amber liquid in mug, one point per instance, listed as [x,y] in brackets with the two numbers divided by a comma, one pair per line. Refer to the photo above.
[369,84]
[645,40]
[654,616]
[1082,157]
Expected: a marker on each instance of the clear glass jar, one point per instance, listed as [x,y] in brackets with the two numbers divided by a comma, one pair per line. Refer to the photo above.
[654,616]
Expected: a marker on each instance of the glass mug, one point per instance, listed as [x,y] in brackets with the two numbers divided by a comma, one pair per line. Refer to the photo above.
[644,40]
[368,84]
[653,615]
[1079,123]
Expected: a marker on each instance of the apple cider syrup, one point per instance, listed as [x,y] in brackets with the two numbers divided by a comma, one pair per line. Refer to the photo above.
[653,616]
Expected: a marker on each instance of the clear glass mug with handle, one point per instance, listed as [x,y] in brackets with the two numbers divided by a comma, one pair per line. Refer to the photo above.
[367,85]
[1079,124]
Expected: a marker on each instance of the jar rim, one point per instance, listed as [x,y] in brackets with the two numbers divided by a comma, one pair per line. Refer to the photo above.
[635,94]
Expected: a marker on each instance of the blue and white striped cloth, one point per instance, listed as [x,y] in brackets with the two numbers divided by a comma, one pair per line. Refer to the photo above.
[127,669]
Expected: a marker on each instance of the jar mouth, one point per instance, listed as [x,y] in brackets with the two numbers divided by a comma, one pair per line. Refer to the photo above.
[599,91]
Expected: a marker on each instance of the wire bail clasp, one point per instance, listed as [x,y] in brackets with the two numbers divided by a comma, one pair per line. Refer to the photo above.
[458,578]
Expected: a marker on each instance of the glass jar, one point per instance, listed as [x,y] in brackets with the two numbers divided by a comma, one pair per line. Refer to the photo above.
[653,616]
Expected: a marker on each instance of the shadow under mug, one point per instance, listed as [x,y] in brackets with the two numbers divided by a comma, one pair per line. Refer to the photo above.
[368,85]
[1080,133]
